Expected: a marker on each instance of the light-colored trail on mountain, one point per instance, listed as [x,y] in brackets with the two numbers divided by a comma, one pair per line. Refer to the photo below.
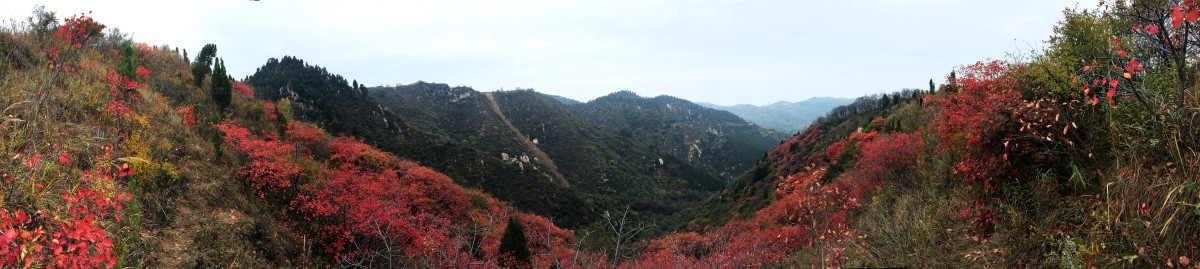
[537,152]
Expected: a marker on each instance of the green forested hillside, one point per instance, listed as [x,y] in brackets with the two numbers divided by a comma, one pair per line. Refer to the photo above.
[714,141]
[604,161]
[609,168]
[330,102]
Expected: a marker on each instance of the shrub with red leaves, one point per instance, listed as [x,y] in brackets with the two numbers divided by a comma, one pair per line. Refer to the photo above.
[886,157]
[188,113]
[70,236]
[997,134]
[71,36]
[243,89]
[267,167]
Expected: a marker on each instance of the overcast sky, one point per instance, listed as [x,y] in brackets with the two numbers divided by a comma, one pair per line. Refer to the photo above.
[723,52]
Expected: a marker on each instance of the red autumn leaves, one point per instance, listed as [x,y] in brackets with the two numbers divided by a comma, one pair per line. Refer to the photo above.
[72,236]
[365,202]
[1186,13]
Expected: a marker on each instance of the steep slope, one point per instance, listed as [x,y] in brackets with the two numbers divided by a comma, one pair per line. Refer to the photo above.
[714,141]
[329,101]
[755,189]
[609,170]
[785,116]
[539,155]
[610,164]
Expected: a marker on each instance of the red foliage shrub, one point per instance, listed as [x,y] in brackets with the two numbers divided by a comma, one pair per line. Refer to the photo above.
[142,73]
[271,112]
[366,204]
[369,200]
[970,122]
[737,244]
[69,37]
[243,89]
[267,168]
[807,213]
[973,123]
[76,239]
[428,191]
[996,133]
[834,150]
[886,156]
[787,158]
[304,135]
[348,151]
[188,113]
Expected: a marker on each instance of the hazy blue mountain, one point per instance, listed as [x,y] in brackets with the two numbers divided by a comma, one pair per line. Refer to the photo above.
[782,115]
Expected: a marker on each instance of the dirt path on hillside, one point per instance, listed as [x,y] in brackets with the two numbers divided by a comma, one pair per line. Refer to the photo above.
[541,155]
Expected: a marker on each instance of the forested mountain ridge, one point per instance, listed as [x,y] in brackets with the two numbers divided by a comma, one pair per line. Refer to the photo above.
[611,170]
[715,141]
[329,101]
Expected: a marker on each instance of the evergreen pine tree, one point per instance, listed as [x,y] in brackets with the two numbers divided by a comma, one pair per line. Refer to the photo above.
[513,243]
[128,65]
[222,90]
[932,90]
[202,66]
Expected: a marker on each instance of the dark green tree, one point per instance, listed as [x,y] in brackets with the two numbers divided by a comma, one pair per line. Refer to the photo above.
[207,54]
[203,65]
[513,243]
[129,61]
[222,89]
[932,89]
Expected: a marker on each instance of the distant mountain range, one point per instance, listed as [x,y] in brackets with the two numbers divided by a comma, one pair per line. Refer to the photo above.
[657,155]
[782,115]
[338,107]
